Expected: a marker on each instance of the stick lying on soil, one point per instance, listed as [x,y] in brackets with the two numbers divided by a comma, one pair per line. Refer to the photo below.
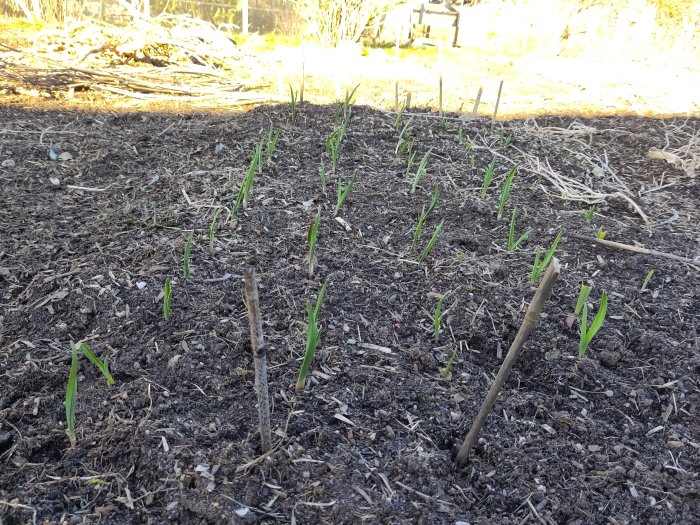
[533,312]
[259,353]
[638,249]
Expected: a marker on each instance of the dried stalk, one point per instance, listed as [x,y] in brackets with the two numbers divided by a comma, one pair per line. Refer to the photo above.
[260,356]
[533,312]
[638,249]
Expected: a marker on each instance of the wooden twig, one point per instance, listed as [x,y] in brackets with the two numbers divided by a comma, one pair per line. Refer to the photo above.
[637,249]
[498,101]
[477,101]
[260,356]
[533,312]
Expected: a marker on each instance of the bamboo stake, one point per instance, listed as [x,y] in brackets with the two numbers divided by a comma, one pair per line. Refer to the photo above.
[637,249]
[408,101]
[477,101]
[260,357]
[533,312]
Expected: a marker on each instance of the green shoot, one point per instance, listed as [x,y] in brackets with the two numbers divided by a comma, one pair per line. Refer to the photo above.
[488,177]
[293,104]
[311,239]
[247,184]
[405,138]
[346,106]
[505,192]
[648,277]
[213,224]
[186,257]
[72,394]
[512,243]
[419,227]
[103,366]
[539,267]
[588,332]
[582,296]
[420,171]
[588,213]
[273,136]
[468,146]
[334,143]
[399,116]
[424,215]
[322,175]
[437,318]
[313,337]
[431,243]
[409,164]
[447,370]
[460,136]
[601,234]
[506,138]
[343,192]
[167,294]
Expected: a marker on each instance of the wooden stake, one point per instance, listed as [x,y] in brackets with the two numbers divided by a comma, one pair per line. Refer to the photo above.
[477,101]
[498,101]
[408,101]
[260,357]
[440,75]
[533,312]
[637,249]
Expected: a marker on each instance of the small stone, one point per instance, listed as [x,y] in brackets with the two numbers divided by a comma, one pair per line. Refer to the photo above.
[609,358]
[8,163]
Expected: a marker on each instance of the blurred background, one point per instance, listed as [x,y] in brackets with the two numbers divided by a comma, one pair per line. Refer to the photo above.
[638,56]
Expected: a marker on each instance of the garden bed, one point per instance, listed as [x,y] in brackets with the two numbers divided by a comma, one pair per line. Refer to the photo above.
[88,241]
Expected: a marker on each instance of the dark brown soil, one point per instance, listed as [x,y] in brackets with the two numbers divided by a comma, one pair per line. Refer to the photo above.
[86,245]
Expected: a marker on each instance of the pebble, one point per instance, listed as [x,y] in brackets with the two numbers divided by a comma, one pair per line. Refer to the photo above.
[8,163]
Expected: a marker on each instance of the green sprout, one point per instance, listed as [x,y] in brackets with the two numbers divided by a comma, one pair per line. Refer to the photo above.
[488,177]
[409,164]
[505,192]
[588,332]
[399,116]
[447,369]
[346,106]
[186,257]
[582,296]
[293,104]
[420,171]
[431,243]
[424,215]
[273,136]
[72,394]
[311,239]
[102,366]
[72,386]
[437,317]
[213,224]
[247,184]
[506,138]
[405,138]
[601,234]
[512,243]
[343,192]
[468,146]
[539,267]
[589,212]
[334,143]
[167,294]
[313,337]
[648,277]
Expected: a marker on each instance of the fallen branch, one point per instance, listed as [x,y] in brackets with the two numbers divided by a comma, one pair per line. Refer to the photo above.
[638,249]
[533,312]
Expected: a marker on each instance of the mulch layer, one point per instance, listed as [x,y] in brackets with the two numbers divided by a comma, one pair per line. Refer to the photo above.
[95,208]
